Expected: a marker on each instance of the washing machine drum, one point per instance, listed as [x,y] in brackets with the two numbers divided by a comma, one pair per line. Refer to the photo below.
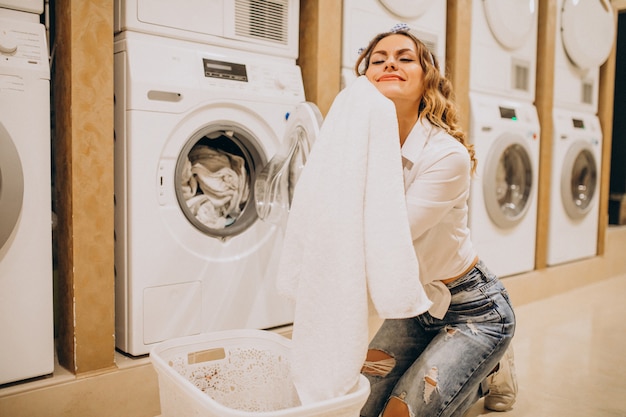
[408,9]
[214,178]
[579,179]
[508,181]
[510,21]
[11,186]
[587,30]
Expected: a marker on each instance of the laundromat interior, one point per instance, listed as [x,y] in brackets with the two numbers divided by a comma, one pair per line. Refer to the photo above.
[101,100]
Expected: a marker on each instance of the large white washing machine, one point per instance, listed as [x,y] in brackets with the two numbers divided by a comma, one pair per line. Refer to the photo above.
[585,33]
[504,48]
[363,19]
[575,186]
[26,317]
[503,197]
[584,39]
[268,26]
[194,126]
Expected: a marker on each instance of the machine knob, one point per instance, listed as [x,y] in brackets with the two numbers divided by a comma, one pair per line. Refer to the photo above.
[8,43]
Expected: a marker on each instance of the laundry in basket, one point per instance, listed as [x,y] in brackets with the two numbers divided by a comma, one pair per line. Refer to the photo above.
[238,373]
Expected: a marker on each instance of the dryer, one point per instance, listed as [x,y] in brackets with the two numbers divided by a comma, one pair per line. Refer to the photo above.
[363,19]
[504,48]
[26,315]
[31,6]
[585,32]
[575,186]
[191,254]
[268,27]
[503,196]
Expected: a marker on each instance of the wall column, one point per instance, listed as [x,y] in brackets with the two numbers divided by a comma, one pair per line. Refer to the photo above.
[82,77]
[320,50]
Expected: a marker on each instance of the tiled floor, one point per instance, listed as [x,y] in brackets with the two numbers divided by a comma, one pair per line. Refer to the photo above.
[570,354]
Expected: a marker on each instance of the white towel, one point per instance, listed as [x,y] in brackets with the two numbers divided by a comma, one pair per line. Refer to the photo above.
[348,234]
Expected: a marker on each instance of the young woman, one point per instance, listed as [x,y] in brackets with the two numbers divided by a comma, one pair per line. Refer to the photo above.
[435,364]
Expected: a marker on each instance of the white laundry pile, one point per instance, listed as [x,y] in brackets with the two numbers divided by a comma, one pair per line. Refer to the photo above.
[215,185]
[348,237]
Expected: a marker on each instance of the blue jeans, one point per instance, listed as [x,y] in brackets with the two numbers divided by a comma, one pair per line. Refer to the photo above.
[439,367]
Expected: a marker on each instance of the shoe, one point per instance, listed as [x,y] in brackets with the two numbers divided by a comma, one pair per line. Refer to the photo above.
[502,384]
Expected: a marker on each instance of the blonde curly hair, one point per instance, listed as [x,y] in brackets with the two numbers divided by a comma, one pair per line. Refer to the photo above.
[437,103]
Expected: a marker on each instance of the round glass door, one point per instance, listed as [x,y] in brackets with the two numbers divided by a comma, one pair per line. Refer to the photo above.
[508,181]
[588,31]
[276,183]
[214,178]
[510,21]
[409,9]
[578,180]
[11,186]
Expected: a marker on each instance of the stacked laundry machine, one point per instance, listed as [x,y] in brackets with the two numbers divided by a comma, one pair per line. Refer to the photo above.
[585,33]
[505,131]
[363,19]
[26,315]
[207,92]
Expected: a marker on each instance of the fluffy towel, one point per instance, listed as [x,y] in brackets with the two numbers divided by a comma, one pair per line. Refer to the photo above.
[347,235]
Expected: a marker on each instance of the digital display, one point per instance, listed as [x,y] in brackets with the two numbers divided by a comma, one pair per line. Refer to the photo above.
[578,123]
[224,70]
[508,113]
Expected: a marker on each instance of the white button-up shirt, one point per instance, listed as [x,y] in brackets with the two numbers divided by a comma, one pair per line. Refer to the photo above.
[437,182]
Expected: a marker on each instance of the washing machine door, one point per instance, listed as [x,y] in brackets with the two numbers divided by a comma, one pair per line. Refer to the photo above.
[510,21]
[579,179]
[11,186]
[508,180]
[409,9]
[275,185]
[214,176]
[588,31]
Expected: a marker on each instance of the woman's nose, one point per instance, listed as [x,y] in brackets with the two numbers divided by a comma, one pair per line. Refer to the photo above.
[390,63]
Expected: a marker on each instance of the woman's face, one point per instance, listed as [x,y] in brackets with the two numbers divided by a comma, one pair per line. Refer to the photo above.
[394,69]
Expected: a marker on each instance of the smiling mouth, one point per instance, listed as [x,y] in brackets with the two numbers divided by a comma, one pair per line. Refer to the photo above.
[390,78]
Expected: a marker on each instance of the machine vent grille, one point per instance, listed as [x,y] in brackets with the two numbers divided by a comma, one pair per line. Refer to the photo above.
[521,75]
[587,92]
[262,19]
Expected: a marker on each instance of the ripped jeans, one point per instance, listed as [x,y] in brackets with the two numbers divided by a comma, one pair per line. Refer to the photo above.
[439,367]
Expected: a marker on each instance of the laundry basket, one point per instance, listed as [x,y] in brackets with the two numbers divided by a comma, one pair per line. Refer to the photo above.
[238,373]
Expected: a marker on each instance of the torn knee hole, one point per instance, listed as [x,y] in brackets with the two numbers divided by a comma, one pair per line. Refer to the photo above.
[396,408]
[378,363]
[450,331]
[430,383]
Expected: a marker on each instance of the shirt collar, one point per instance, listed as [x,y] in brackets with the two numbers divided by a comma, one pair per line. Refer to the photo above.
[417,139]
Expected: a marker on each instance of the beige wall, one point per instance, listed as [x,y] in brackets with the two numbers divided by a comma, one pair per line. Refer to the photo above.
[83,99]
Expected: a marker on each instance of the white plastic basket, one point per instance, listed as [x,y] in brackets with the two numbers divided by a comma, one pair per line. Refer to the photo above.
[238,373]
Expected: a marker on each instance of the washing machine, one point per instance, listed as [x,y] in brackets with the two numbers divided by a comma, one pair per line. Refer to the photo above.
[585,33]
[575,186]
[194,126]
[503,195]
[26,315]
[363,19]
[504,48]
[262,26]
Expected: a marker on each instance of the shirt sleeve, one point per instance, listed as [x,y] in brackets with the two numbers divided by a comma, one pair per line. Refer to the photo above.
[438,186]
